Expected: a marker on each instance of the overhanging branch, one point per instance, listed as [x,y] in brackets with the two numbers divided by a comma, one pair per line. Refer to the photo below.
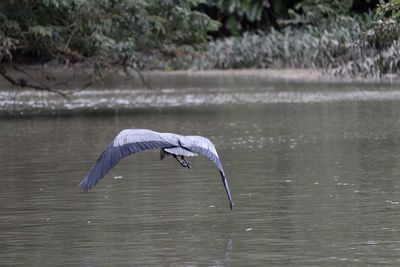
[23,83]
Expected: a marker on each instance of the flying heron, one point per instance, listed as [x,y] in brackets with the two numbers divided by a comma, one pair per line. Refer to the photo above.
[132,141]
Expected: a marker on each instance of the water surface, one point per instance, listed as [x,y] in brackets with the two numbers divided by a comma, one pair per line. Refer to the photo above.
[315,183]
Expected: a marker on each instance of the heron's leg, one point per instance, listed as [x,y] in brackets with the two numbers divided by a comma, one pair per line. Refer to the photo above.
[162,154]
[188,165]
[184,163]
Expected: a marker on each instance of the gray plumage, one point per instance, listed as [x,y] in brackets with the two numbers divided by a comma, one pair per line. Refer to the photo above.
[132,141]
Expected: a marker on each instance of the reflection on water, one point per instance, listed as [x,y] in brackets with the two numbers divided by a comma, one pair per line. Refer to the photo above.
[314,184]
[124,99]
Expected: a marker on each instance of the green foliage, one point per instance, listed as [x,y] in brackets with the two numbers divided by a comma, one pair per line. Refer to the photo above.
[369,62]
[386,27]
[316,12]
[310,47]
[171,34]
[325,48]
[104,30]
[238,16]
[238,11]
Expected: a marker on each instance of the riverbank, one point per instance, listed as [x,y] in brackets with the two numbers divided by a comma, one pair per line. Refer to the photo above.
[288,75]
[74,78]
[119,94]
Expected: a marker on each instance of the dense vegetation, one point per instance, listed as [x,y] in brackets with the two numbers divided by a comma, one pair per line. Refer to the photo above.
[347,37]
[328,35]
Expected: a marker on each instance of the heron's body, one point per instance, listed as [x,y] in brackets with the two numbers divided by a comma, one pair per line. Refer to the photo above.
[131,141]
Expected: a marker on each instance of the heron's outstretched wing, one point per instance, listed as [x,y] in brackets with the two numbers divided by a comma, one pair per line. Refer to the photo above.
[205,147]
[125,143]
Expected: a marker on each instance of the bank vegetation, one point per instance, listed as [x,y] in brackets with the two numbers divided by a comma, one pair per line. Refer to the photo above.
[352,38]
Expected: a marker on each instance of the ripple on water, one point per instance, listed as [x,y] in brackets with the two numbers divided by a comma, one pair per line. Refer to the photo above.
[145,98]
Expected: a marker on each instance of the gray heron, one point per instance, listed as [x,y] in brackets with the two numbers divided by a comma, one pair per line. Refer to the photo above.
[132,141]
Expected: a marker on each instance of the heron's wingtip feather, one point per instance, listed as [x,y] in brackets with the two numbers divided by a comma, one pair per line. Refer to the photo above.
[110,157]
[107,160]
[85,185]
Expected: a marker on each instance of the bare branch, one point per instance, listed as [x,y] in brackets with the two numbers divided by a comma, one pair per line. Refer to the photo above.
[20,82]
[139,73]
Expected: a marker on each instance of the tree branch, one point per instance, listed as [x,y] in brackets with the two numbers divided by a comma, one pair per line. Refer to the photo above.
[20,82]
[139,73]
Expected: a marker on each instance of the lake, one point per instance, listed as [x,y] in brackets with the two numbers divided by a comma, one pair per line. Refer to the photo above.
[314,172]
